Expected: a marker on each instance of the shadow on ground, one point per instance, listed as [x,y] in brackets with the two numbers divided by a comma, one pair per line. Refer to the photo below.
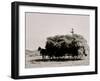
[55,60]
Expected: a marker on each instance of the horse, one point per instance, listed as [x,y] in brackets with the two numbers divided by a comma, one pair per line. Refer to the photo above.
[43,52]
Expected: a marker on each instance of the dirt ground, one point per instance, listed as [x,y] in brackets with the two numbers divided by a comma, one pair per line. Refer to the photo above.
[34,60]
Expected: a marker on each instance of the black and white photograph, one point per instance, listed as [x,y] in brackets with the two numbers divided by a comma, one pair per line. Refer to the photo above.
[50,40]
[55,40]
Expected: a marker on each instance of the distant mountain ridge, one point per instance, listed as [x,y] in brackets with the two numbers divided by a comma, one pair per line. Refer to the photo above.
[31,52]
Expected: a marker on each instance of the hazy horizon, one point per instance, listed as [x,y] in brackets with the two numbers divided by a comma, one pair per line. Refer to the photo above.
[39,26]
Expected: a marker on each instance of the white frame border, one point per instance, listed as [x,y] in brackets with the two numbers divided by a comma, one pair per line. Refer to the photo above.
[54,70]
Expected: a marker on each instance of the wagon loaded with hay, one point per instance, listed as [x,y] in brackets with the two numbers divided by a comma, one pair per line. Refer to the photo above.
[62,46]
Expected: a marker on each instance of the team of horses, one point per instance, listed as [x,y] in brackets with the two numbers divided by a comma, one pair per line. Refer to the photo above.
[70,52]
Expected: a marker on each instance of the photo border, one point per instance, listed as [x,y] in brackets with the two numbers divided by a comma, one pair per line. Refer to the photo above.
[15,39]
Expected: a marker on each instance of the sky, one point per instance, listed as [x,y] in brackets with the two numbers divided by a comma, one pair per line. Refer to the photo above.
[39,26]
